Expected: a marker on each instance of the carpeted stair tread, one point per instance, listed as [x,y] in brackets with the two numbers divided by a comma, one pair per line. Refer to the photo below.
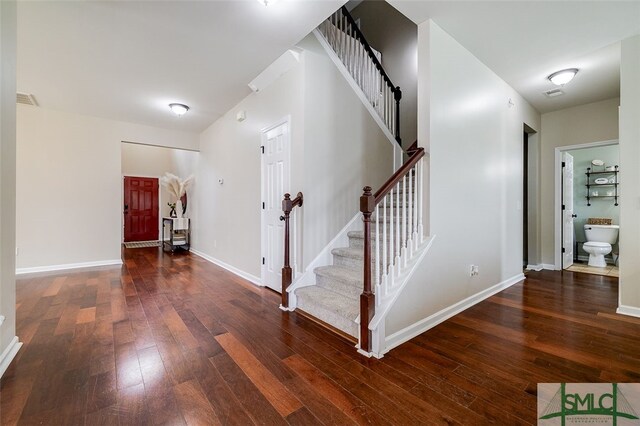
[333,308]
[345,281]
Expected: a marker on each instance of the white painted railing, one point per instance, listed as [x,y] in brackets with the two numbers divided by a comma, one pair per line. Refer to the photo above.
[398,231]
[363,63]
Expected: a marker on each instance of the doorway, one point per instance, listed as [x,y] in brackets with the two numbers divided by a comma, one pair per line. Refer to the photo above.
[526,134]
[141,209]
[587,199]
[276,159]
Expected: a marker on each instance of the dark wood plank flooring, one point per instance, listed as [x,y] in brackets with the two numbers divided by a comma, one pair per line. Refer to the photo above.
[173,339]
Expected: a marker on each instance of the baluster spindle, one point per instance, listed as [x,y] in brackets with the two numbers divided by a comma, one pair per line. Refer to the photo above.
[420,201]
[392,257]
[410,217]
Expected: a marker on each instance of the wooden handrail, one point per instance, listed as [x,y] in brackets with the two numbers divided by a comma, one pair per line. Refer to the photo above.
[287,206]
[395,178]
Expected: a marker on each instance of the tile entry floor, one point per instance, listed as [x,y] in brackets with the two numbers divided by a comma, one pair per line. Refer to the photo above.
[609,270]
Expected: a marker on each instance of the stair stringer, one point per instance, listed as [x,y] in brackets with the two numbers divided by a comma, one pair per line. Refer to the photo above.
[398,157]
[308,277]
[384,304]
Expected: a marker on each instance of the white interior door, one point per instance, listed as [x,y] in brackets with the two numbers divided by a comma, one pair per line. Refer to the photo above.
[275,182]
[568,231]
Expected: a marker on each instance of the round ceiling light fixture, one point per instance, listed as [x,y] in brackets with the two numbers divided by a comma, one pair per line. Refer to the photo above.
[179,109]
[560,78]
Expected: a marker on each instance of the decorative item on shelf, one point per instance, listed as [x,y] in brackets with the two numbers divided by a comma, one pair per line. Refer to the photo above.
[602,181]
[609,193]
[598,221]
[178,188]
[594,193]
[172,212]
[610,169]
[597,162]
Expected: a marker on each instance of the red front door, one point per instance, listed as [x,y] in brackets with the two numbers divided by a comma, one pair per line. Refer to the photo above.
[140,209]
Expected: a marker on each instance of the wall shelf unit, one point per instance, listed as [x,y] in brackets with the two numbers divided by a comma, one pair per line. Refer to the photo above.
[612,174]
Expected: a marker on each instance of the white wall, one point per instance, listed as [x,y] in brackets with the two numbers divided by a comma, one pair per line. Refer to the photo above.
[69,179]
[630,174]
[7,181]
[336,149]
[592,122]
[475,192]
[396,37]
[154,161]
[600,207]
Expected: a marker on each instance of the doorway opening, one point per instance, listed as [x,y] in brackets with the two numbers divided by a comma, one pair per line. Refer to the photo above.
[527,132]
[587,200]
[142,166]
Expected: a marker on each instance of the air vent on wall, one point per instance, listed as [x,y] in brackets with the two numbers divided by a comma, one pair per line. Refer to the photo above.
[553,93]
[26,99]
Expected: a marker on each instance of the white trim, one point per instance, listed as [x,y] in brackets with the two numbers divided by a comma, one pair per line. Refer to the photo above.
[549,267]
[397,156]
[323,258]
[557,212]
[263,238]
[425,324]
[9,354]
[628,310]
[386,305]
[20,271]
[536,268]
[242,274]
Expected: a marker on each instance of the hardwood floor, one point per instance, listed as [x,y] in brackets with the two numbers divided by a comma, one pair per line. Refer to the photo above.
[176,340]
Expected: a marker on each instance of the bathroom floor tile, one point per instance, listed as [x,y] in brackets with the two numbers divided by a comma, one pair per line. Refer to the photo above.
[607,270]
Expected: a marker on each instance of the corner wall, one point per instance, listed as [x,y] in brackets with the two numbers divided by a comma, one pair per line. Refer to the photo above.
[475,184]
[8,341]
[337,148]
[594,122]
[69,185]
[630,177]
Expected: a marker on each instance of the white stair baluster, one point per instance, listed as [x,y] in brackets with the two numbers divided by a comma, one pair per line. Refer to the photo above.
[385,262]
[392,256]
[410,216]
[403,253]
[414,235]
[377,256]
[398,239]
[420,201]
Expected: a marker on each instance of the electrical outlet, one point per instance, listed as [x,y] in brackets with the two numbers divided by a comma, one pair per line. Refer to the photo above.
[473,270]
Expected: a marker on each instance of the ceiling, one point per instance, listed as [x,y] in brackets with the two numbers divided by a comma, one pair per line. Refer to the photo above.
[127,60]
[525,41]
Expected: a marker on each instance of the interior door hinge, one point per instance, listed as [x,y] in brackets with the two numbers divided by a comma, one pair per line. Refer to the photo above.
[564,164]
[563,249]
[262,149]
[263,261]
[263,205]
[563,207]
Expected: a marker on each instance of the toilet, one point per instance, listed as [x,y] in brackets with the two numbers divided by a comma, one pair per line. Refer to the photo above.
[599,240]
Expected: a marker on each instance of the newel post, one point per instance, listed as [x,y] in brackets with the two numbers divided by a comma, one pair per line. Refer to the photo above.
[287,205]
[367,298]
[397,95]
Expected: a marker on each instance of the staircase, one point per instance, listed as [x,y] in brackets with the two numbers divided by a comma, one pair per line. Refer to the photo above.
[335,299]
[355,290]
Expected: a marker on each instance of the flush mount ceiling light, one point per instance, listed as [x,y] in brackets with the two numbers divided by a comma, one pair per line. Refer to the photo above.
[560,78]
[179,109]
[267,2]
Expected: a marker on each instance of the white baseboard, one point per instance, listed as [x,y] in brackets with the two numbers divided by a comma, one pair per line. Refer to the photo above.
[632,311]
[8,354]
[49,268]
[420,327]
[247,276]
[549,266]
[536,268]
